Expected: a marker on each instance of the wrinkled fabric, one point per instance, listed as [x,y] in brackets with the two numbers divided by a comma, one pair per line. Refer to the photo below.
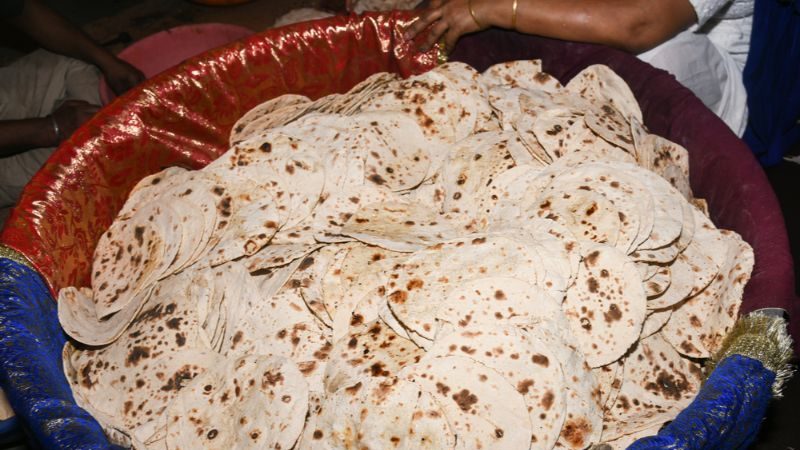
[726,414]
[722,168]
[30,354]
[771,76]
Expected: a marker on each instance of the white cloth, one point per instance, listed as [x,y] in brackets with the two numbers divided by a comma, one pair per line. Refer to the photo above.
[709,57]
[35,86]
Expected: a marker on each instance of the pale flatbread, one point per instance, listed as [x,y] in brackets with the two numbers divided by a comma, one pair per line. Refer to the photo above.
[374,352]
[697,327]
[465,390]
[526,363]
[605,326]
[657,384]
[250,402]
[600,85]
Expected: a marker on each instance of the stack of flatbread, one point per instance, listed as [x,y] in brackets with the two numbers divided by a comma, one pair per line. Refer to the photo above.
[454,260]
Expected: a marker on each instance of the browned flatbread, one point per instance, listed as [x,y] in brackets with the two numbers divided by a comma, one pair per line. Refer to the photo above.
[450,261]
[605,326]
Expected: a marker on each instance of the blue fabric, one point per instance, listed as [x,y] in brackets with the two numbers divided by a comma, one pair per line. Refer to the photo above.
[7,427]
[30,359]
[726,413]
[772,79]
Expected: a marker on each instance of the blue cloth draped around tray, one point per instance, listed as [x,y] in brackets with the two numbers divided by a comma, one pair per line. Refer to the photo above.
[726,414]
[30,352]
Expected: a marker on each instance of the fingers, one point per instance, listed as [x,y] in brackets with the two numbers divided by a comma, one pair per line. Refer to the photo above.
[451,38]
[424,20]
[437,31]
[446,20]
[121,76]
[72,114]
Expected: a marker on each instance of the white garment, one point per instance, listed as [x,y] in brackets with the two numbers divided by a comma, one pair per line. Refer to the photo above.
[709,57]
[34,86]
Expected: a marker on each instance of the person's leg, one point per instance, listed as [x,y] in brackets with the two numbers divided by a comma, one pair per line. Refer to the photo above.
[82,82]
[35,86]
[708,72]
[32,85]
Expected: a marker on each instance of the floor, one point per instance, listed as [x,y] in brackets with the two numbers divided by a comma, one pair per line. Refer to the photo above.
[115,23]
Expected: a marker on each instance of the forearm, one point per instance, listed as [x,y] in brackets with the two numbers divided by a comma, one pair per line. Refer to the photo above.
[17,136]
[56,34]
[633,26]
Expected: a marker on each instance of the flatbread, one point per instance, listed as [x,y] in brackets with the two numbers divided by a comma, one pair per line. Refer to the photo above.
[421,283]
[251,401]
[605,326]
[657,384]
[269,114]
[78,317]
[582,391]
[375,351]
[600,85]
[495,301]
[400,227]
[698,326]
[464,389]
[129,256]
[526,363]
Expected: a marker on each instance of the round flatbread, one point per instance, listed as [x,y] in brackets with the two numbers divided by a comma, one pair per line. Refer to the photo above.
[251,402]
[607,305]
[657,384]
[698,326]
[526,363]
[466,391]
[374,352]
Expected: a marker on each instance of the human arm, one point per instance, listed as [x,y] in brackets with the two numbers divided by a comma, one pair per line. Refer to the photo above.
[17,136]
[56,34]
[630,25]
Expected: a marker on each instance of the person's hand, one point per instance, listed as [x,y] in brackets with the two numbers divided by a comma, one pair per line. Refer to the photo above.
[71,115]
[122,76]
[449,19]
